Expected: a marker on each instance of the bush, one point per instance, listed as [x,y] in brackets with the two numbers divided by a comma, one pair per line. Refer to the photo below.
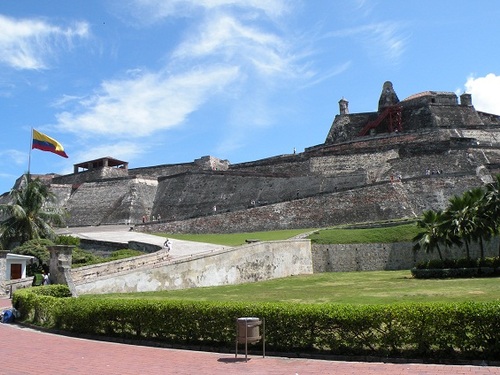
[38,305]
[85,258]
[124,253]
[466,263]
[463,267]
[68,240]
[36,248]
[440,331]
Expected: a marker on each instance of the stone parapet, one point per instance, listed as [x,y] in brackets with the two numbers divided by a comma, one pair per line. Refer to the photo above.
[254,262]
[109,269]
[60,266]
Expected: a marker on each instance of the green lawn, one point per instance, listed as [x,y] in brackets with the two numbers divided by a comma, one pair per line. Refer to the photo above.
[237,239]
[378,287]
[390,234]
[397,233]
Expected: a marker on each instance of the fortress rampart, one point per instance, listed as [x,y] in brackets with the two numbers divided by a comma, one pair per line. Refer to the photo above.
[408,156]
[379,201]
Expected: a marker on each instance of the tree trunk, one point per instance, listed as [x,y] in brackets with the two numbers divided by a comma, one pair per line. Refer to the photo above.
[439,252]
[467,250]
[481,247]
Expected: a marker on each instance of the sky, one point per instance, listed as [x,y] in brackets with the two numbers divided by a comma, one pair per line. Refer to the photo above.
[156,82]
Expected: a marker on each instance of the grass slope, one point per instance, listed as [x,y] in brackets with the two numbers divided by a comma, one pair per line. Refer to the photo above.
[397,233]
[237,239]
[377,287]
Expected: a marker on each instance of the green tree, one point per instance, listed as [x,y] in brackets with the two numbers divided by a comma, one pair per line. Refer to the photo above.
[38,249]
[491,203]
[432,235]
[481,223]
[27,216]
[464,219]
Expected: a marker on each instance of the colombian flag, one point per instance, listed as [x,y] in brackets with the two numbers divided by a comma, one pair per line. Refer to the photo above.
[45,143]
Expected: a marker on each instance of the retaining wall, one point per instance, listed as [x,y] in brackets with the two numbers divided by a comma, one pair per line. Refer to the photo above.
[387,256]
[250,263]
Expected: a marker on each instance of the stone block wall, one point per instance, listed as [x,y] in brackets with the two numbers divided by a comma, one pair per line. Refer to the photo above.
[485,136]
[90,175]
[377,202]
[370,165]
[254,262]
[286,165]
[380,257]
[111,201]
[455,116]
[163,170]
[196,194]
[3,270]
[489,118]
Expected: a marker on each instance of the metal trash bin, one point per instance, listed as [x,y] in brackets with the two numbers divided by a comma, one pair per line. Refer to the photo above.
[248,332]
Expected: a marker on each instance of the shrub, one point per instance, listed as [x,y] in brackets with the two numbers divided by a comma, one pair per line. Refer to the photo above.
[36,248]
[463,267]
[82,258]
[124,253]
[451,331]
[68,240]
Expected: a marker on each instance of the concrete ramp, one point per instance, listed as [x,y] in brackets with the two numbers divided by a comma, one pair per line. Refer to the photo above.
[122,234]
[188,265]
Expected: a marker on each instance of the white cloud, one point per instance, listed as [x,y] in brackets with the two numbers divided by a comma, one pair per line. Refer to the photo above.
[224,38]
[150,11]
[485,93]
[379,39]
[145,104]
[218,51]
[13,156]
[28,43]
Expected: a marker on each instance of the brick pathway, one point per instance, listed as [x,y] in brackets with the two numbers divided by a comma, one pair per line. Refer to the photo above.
[26,351]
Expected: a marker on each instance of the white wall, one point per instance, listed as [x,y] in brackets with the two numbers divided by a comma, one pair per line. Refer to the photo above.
[254,262]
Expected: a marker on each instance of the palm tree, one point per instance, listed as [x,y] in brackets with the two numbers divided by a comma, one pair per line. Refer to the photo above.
[491,202]
[457,217]
[27,217]
[466,218]
[481,221]
[432,236]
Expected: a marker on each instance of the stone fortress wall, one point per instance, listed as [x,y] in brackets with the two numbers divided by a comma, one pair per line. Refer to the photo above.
[442,147]
[436,148]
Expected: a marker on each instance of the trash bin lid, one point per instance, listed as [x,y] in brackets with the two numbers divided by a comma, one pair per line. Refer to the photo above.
[251,319]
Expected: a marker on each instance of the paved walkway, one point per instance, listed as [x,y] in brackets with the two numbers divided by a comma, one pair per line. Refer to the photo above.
[26,351]
[121,233]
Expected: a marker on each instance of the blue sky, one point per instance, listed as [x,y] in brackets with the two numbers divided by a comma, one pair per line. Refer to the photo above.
[168,81]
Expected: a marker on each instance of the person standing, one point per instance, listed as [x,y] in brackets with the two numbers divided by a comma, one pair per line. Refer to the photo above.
[45,280]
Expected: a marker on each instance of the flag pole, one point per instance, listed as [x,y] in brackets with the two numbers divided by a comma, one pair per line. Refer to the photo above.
[29,154]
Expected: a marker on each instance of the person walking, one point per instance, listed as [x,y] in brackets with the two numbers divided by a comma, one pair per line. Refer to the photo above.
[168,245]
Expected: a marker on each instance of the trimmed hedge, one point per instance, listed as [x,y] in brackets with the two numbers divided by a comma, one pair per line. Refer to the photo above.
[492,262]
[457,268]
[411,330]
[446,273]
